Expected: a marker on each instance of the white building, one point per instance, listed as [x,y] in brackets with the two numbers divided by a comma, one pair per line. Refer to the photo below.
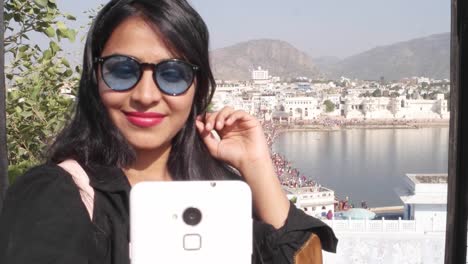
[425,199]
[302,107]
[421,109]
[275,79]
[378,107]
[400,107]
[353,107]
[229,94]
[315,201]
[260,76]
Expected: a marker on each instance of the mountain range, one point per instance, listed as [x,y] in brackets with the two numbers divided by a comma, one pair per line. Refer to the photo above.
[279,57]
[428,56]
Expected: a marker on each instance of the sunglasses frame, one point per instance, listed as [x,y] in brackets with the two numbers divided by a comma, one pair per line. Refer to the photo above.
[153,66]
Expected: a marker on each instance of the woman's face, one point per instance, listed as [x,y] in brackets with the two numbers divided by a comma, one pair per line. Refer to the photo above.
[146,117]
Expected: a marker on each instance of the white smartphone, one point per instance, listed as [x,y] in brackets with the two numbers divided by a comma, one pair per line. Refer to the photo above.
[193,222]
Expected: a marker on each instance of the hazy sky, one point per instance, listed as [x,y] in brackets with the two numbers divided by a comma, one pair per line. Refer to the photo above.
[320,28]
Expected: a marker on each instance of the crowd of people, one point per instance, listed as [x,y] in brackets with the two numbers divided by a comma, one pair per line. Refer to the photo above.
[346,204]
[289,175]
[343,122]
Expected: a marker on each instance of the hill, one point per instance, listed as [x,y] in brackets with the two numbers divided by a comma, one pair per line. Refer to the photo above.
[279,57]
[428,56]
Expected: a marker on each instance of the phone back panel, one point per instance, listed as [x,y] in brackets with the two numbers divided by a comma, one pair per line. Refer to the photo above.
[158,233]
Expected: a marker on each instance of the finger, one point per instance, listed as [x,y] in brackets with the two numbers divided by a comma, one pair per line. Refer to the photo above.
[236,115]
[200,126]
[209,120]
[212,119]
[221,117]
[210,140]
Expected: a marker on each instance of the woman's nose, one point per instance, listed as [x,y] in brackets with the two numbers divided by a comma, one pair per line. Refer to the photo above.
[146,92]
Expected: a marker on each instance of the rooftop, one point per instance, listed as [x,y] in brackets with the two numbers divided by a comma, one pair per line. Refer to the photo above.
[302,190]
[428,178]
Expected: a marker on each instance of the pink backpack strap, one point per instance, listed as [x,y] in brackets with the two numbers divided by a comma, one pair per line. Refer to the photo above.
[81,180]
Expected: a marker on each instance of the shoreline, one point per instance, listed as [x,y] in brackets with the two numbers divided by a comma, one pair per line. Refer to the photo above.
[325,128]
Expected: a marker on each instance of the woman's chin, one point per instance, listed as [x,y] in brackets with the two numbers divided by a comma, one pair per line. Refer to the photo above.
[150,145]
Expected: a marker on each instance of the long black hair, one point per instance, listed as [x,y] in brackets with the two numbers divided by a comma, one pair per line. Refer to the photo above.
[92,138]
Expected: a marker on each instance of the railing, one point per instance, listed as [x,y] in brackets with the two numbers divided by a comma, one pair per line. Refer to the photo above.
[372,226]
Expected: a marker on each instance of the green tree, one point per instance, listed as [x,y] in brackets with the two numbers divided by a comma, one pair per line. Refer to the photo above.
[377,93]
[36,107]
[293,199]
[329,106]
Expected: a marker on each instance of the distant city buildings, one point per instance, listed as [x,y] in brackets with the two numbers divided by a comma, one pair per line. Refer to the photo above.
[303,100]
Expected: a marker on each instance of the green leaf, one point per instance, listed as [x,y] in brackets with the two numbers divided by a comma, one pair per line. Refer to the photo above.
[54,47]
[50,32]
[68,73]
[26,114]
[17,17]
[52,4]
[72,35]
[42,3]
[23,48]
[59,34]
[35,92]
[8,16]
[67,33]
[70,17]
[65,62]
[47,55]
[21,55]
[51,70]
[61,26]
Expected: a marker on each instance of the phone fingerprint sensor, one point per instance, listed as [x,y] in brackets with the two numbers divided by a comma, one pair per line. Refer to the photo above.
[192,242]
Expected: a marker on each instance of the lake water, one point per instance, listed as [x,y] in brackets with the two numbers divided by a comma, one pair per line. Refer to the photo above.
[366,164]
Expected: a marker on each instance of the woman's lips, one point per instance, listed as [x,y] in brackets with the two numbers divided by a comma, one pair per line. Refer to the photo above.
[144,119]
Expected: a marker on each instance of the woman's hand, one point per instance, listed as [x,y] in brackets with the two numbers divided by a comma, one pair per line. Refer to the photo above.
[243,145]
[241,141]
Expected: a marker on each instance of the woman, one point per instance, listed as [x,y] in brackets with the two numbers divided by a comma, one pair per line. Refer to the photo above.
[141,115]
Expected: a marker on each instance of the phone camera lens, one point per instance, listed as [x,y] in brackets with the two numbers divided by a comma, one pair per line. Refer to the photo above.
[192,216]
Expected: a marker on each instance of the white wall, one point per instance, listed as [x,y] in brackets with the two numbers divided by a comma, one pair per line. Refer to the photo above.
[430,217]
[390,248]
[307,105]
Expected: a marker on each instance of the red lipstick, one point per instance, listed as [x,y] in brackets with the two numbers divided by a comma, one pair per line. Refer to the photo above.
[144,119]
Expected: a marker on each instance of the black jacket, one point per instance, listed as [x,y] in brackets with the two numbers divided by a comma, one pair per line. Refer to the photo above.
[44,221]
